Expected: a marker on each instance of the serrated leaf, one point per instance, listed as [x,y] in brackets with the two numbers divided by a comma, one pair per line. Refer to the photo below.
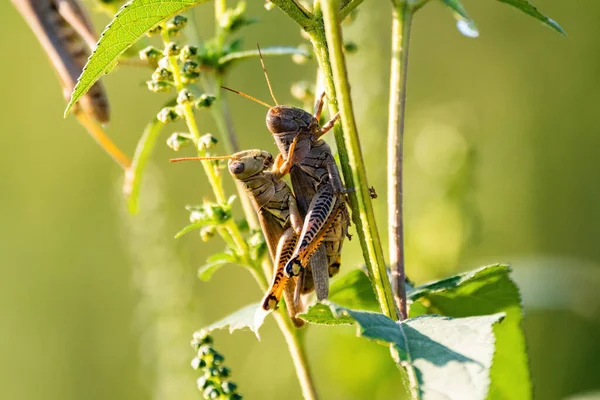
[464,23]
[143,152]
[354,290]
[487,290]
[446,358]
[531,10]
[132,21]
[213,263]
[250,317]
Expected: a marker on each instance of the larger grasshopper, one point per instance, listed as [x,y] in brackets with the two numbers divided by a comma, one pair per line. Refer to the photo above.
[66,34]
[316,182]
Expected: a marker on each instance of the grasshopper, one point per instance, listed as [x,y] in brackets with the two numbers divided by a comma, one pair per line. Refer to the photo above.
[317,185]
[66,34]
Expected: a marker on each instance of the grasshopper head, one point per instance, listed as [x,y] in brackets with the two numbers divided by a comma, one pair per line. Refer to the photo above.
[246,164]
[282,119]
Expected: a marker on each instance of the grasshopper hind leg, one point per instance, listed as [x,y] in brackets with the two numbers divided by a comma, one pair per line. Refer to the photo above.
[285,249]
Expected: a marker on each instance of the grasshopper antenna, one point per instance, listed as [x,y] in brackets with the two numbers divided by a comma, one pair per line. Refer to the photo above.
[174,160]
[247,96]
[262,62]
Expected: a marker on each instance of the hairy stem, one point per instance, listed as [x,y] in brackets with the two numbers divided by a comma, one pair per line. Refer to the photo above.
[297,12]
[402,19]
[328,45]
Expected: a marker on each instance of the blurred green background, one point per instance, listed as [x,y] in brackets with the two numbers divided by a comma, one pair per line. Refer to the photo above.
[500,149]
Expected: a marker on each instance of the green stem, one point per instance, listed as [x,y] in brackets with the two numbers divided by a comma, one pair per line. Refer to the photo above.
[328,45]
[296,12]
[347,7]
[402,20]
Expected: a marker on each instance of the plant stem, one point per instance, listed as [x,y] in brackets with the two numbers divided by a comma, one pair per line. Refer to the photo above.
[296,12]
[402,20]
[296,348]
[328,45]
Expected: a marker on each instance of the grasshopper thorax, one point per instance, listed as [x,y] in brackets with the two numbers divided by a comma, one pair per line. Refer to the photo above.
[245,164]
[285,119]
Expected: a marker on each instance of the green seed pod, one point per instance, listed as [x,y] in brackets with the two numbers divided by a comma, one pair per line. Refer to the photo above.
[228,387]
[350,47]
[188,53]
[162,75]
[154,31]
[171,49]
[224,372]
[167,114]
[177,140]
[207,141]
[185,97]
[218,358]
[205,101]
[157,87]
[151,55]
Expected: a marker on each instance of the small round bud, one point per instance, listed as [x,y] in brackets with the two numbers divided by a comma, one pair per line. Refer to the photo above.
[350,47]
[228,387]
[211,372]
[224,372]
[211,392]
[157,87]
[303,91]
[205,351]
[207,233]
[164,63]
[171,49]
[180,111]
[201,337]
[166,115]
[185,97]
[198,363]
[218,359]
[203,383]
[154,31]
[175,26]
[206,142]
[177,141]
[162,74]
[188,53]
[205,101]
[269,6]
[190,71]
[150,55]
[235,396]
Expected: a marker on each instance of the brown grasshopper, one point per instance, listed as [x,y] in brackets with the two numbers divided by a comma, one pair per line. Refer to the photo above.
[66,34]
[316,182]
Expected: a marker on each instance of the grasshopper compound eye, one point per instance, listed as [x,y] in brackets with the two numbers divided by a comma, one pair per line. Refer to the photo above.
[236,167]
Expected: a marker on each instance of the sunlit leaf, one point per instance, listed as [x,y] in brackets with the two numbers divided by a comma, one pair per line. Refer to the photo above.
[249,317]
[464,23]
[132,21]
[485,291]
[143,152]
[530,9]
[354,290]
[213,263]
[321,314]
[445,358]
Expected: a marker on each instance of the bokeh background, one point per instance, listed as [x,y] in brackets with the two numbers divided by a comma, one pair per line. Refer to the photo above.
[501,150]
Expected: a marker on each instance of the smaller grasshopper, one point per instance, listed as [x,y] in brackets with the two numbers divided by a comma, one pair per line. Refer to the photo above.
[66,34]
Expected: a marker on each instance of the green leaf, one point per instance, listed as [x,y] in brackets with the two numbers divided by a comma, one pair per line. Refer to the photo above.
[321,314]
[446,358]
[250,317]
[464,23]
[487,290]
[132,21]
[213,263]
[143,152]
[530,9]
[191,227]
[354,290]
